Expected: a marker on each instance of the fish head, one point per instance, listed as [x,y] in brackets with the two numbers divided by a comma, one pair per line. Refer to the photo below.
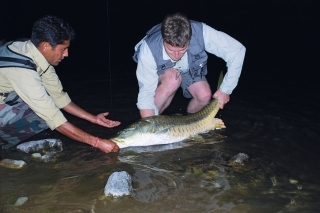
[124,136]
[134,134]
[140,133]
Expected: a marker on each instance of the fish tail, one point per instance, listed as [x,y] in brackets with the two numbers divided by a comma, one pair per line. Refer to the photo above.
[218,123]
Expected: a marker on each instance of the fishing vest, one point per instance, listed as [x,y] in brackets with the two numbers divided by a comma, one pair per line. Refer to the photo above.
[197,57]
[9,58]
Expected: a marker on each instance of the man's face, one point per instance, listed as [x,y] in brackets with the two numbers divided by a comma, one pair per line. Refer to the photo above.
[175,53]
[55,56]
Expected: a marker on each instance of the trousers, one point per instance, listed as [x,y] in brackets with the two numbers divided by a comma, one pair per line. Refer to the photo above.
[18,122]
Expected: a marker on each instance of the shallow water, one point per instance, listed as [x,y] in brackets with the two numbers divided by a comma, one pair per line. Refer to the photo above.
[279,137]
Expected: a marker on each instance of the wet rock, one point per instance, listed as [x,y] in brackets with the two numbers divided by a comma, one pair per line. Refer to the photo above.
[293,181]
[51,156]
[239,159]
[20,201]
[118,184]
[211,175]
[36,146]
[50,149]
[240,163]
[36,155]
[14,164]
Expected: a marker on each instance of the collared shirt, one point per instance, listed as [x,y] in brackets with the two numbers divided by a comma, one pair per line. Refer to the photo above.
[41,90]
[216,42]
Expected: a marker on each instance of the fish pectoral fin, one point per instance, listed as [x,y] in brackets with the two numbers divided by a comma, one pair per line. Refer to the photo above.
[218,124]
[163,131]
[197,138]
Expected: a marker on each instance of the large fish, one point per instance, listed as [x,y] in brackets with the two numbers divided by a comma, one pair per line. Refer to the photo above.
[162,129]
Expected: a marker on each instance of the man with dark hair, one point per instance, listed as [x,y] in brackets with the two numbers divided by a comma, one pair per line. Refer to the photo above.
[173,54]
[31,94]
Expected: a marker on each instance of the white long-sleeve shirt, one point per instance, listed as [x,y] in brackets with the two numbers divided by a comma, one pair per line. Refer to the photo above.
[216,42]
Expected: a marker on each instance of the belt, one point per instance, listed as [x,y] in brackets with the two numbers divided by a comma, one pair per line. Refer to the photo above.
[4,94]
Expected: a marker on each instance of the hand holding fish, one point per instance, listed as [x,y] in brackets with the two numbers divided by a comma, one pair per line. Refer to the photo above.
[106,145]
[102,121]
[222,97]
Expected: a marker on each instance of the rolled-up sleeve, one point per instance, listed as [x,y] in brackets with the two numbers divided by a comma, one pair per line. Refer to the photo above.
[230,50]
[53,86]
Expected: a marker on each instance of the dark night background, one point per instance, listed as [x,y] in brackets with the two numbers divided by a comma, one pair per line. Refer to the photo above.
[281,38]
[273,114]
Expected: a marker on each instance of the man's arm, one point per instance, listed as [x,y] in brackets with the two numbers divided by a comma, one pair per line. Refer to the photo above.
[148,81]
[146,113]
[81,113]
[77,134]
[232,52]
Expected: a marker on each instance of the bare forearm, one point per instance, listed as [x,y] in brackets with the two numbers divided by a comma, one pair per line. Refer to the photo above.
[75,110]
[99,119]
[146,113]
[75,133]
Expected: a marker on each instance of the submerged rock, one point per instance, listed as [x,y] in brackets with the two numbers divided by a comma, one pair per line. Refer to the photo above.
[239,159]
[51,156]
[14,164]
[240,163]
[36,146]
[118,184]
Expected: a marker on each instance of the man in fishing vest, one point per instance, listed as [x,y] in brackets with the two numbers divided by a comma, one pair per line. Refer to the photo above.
[173,54]
[31,94]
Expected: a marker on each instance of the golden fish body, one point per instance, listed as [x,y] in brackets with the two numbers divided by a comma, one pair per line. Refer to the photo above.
[162,129]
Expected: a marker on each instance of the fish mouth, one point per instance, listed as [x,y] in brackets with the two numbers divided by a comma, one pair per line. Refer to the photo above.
[118,141]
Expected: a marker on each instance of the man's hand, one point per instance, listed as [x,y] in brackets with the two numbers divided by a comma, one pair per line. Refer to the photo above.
[223,98]
[106,145]
[102,121]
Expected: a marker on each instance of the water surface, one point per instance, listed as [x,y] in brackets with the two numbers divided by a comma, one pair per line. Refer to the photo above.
[279,137]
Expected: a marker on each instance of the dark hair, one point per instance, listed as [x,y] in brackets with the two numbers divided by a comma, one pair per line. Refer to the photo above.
[51,29]
[176,30]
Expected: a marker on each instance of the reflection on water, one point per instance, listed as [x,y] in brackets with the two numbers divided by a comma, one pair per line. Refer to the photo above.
[280,139]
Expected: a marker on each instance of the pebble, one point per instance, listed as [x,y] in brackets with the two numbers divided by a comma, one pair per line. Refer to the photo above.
[293,181]
[14,164]
[20,201]
[36,155]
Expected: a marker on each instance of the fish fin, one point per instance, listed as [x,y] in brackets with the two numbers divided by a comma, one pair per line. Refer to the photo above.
[163,131]
[218,124]
[198,138]
[220,79]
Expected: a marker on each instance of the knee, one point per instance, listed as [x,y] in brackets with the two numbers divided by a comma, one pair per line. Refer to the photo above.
[172,79]
[204,97]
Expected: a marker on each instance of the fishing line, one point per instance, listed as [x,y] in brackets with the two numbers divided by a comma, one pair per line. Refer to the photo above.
[109,58]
